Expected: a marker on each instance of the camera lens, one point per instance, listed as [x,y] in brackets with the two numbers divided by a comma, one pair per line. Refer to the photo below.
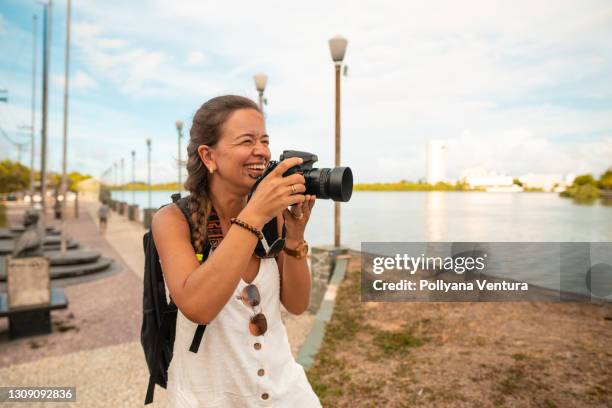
[340,184]
[335,184]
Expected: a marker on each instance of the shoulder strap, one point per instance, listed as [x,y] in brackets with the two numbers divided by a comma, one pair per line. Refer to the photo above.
[183,205]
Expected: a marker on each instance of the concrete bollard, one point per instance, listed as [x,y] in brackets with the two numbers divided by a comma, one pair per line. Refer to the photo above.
[148,217]
[322,262]
[133,212]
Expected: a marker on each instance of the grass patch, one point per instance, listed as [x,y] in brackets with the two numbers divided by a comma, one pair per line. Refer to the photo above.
[519,357]
[394,342]
[357,361]
[329,375]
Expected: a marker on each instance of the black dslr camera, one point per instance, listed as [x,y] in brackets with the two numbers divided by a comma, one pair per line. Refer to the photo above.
[335,184]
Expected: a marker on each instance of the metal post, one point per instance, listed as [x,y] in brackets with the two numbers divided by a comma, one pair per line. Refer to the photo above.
[48,8]
[65,137]
[149,170]
[115,176]
[179,128]
[337,162]
[133,176]
[261,101]
[122,179]
[32,127]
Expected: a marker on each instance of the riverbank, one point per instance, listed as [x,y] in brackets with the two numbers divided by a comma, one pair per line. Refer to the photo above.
[463,354]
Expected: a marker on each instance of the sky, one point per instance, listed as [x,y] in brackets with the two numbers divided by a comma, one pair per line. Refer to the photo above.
[512,87]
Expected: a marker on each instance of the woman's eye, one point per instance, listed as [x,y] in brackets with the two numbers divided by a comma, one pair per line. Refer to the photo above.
[266,142]
[246,141]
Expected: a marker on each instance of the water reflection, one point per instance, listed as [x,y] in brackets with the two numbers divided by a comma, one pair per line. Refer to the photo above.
[436,225]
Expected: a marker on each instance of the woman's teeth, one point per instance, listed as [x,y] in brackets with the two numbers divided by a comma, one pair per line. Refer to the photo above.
[256,167]
[255,170]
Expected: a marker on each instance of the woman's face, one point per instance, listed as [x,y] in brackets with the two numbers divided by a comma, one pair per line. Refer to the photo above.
[243,151]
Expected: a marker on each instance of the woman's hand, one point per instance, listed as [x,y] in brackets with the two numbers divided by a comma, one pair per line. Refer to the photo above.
[297,217]
[275,193]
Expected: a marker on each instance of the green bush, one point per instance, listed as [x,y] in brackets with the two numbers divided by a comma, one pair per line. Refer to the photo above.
[14,176]
[605,181]
[585,179]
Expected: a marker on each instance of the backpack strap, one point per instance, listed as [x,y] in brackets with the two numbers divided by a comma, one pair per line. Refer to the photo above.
[197,338]
[150,391]
[183,205]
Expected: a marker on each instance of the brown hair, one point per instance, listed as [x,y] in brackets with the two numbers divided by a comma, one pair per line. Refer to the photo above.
[206,130]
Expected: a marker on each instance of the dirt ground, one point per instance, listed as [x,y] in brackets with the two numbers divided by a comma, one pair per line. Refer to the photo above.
[522,354]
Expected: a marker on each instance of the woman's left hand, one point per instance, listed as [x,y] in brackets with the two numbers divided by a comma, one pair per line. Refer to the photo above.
[297,217]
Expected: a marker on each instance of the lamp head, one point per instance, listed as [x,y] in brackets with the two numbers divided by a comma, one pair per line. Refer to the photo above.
[260,81]
[337,47]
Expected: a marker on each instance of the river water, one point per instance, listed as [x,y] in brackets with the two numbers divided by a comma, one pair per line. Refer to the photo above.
[447,216]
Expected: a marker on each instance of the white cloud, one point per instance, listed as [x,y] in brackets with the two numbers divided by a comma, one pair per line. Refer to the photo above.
[196,58]
[79,81]
[111,43]
[83,81]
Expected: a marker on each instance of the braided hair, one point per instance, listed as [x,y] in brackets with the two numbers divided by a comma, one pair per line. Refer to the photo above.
[206,130]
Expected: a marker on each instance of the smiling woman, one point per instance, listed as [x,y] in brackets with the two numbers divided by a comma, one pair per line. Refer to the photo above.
[217,278]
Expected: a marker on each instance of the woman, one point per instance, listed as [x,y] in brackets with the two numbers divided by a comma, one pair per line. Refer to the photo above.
[240,362]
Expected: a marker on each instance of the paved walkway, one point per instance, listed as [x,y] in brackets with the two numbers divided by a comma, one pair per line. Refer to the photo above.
[100,352]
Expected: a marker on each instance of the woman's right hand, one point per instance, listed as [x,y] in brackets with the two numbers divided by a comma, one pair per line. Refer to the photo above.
[274,194]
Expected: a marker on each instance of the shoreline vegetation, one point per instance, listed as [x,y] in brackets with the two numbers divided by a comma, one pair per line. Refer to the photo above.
[585,188]
[15,176]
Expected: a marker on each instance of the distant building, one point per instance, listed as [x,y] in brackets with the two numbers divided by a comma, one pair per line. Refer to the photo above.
[436,161]
[547,182]
[488,180]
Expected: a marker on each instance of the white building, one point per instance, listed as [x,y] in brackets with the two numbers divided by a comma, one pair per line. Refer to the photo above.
[436,161]
[490,181]
[547,182]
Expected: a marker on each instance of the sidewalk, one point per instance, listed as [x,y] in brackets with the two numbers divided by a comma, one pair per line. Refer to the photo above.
[96,347]
[100,352]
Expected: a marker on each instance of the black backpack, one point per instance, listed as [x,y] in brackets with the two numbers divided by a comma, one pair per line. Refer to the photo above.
[159,315]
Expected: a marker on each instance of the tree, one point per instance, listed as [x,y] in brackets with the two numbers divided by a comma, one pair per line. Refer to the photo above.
[605,181]
[585,179]
[14,176]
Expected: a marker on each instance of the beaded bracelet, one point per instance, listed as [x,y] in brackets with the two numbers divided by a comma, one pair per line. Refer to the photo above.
[248,227]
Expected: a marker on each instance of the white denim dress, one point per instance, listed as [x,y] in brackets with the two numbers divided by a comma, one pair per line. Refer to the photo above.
[233,368]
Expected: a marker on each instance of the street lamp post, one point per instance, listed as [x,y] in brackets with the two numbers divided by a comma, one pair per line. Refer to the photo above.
[65,137]
[149,171]
[260,84]
[122,179]
[133,176]
[47,19]
[33,126]
[115,176]
[337,46]
[179,129]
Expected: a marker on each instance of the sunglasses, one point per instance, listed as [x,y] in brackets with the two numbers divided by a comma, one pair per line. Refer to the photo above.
[262,249]
[258,324]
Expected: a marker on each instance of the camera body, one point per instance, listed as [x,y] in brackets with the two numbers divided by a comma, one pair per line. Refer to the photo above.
[335,184]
